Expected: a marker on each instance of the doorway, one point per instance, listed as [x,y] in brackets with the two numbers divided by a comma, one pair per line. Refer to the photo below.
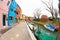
[4,20]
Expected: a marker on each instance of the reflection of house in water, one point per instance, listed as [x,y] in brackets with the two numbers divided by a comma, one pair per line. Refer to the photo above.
[13,13]
[4,6]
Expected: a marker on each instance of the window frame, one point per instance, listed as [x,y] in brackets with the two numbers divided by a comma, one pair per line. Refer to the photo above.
[8,3]
[11,9]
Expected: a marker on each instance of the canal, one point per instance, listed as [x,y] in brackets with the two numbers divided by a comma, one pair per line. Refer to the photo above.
[41,33]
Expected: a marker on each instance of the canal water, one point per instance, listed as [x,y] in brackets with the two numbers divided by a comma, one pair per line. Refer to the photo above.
[41,33]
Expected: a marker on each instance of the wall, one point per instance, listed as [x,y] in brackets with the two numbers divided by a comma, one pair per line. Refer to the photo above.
[3,11]
[19,15]
[11,13]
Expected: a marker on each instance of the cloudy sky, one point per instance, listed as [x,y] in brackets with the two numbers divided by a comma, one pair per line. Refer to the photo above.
[28,6]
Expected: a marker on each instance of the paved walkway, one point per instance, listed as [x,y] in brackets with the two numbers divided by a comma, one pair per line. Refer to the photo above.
[18,32]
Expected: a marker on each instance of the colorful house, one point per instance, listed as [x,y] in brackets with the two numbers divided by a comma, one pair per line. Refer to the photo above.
[14,13]
[44,18]
[18,14]
[4,6]
[30,18]
[11,13]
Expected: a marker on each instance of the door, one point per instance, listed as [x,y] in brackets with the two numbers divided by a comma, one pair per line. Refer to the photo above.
[4,20]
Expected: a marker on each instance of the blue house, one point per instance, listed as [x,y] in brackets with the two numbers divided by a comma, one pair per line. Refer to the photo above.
[11,13]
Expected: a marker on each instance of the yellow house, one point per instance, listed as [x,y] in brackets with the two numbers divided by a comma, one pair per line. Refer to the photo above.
[26,18]
[21,15]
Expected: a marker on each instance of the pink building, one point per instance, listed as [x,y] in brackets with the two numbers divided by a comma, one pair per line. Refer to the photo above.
[4,7]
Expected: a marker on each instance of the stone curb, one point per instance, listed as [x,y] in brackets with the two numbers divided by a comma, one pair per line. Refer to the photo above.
[31,34]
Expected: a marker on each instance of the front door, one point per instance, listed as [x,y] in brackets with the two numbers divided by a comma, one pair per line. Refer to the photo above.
[4,20]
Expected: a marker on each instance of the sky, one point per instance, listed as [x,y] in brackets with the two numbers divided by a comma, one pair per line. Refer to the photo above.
[28,6]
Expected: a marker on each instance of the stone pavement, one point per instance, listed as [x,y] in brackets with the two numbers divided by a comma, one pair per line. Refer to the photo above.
[18,32]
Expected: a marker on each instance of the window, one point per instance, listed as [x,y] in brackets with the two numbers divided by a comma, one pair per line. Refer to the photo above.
[16,12]
[11,18]
[18,5]
[8,3]
[11,9]
[1,0]
[12,0]
[4,20]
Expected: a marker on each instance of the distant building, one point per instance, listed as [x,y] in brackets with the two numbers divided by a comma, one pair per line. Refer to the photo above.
[4,7]
[44,17]
[30,18]
[26,18]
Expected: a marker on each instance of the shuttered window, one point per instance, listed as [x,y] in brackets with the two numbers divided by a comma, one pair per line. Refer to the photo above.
[11,18]
[11,9]
[8,3]
[16,12]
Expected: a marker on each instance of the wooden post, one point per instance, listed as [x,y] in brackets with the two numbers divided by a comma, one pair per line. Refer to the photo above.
[59,15]
[59,22]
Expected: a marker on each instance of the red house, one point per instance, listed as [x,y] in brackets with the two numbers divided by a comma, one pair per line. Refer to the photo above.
[44,18]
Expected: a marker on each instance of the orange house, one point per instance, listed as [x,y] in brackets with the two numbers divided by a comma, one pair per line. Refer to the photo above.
[18,14]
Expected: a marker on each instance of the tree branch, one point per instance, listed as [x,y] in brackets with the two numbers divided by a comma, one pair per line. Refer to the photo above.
[48,10]
[46,4]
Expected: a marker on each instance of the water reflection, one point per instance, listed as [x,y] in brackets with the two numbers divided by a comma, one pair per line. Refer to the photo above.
[41,33]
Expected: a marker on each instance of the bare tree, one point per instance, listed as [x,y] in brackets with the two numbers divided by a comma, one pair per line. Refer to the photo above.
[49,6]
[34,15]
[37,13]
[55,13]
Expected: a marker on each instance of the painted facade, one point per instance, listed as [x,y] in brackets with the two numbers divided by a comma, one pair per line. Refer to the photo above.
[18,14]
[30,18]
[11,13]
[4,6]
[14,13]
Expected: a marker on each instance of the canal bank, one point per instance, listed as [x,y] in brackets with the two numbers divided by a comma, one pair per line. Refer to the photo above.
[44,34]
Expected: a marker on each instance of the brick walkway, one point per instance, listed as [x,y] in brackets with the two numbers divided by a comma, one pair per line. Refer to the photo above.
[18,32]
